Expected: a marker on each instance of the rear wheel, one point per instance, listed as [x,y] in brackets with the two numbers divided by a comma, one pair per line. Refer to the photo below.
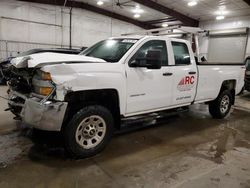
[221,107]
[88,132]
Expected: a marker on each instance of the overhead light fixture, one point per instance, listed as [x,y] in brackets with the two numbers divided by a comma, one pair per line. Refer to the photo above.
[220,17]
[137,15]
[100,3]
[221,12]
[137,10]
[192,3]
[164,25]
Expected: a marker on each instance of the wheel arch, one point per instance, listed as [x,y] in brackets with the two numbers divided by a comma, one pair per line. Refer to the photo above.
[108,98]
[229,85]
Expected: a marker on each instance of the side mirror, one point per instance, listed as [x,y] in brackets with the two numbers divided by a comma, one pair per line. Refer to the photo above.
[203,59]
[154,59]
[134,63]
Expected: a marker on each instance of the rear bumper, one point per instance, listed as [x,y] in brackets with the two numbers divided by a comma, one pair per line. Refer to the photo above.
[43,115]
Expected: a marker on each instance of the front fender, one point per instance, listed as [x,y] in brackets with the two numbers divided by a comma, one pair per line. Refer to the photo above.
[89,76]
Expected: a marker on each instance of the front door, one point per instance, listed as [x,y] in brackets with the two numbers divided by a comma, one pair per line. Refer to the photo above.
[148,89]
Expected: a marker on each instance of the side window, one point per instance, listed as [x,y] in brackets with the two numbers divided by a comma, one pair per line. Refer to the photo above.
[152,45]
[181,53]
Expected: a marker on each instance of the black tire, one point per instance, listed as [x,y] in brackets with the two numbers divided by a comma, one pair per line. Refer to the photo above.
[72,142]
[216,107]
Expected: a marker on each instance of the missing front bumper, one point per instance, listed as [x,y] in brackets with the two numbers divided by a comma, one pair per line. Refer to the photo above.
[39,113]
[44,116]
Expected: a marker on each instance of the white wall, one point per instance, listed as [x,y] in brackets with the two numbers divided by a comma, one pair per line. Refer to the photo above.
[237,22]
[88,27]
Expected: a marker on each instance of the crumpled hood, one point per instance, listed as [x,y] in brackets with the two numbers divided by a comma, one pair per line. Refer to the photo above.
[48,58]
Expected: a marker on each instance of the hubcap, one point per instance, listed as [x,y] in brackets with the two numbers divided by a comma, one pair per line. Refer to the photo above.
[90,131]
[225,102]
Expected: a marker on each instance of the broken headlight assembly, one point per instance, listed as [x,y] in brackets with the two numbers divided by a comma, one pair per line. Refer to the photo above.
[42,83]
[44,90]
[46,76]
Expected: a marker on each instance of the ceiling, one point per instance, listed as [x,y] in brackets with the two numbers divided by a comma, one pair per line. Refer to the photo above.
[148,14]
[204,10]
[155,13]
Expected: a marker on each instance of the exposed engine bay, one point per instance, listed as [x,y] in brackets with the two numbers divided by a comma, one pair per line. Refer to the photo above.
[24,83]
[19,80]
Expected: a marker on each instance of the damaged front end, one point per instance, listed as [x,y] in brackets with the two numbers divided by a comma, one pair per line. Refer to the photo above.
[20,86]
[32,98]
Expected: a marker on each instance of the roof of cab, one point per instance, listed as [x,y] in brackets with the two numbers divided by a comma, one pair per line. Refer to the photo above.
[139,37]
[128,37]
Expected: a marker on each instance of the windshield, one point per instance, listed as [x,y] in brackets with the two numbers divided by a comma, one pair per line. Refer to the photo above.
[111,50]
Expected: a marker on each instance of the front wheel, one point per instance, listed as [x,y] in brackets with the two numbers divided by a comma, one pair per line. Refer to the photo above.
[221,107]
[88,132]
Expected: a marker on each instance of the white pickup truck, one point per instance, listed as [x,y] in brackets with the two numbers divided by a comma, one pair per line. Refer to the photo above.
[90,95]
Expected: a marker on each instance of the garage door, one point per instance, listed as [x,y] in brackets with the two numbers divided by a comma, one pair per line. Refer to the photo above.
[227,46]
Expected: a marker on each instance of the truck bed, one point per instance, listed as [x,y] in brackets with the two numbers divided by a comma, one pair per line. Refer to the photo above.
[211,77]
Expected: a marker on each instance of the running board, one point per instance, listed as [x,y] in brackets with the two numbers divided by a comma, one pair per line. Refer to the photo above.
[145,120]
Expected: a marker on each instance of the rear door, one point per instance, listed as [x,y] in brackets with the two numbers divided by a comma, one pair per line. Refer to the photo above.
[185,75]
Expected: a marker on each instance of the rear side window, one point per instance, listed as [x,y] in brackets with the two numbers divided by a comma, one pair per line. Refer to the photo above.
[181,53]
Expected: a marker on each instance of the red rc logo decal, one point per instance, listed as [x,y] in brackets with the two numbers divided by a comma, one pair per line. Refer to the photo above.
[186,83]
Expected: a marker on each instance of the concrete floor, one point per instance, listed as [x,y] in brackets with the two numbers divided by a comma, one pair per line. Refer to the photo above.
[188,150]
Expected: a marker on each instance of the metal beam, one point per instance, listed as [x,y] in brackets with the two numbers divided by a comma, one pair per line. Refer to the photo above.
[158,21]
[82,5]
[29,21]
[247,1]
[170,12]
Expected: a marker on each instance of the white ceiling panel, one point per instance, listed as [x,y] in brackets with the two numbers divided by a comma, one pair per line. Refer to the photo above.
[126,10]
[204,10]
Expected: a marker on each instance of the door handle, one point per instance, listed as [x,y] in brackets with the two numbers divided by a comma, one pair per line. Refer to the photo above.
[167,74]
[192,72]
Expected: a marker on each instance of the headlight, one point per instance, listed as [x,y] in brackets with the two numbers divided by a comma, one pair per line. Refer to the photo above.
[42,83]
[46,76]
[45,90]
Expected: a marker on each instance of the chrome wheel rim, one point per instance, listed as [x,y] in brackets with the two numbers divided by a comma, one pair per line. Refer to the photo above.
[225,102]
[90,132]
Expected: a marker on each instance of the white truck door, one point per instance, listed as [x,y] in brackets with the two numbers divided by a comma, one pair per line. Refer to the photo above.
[185,75]
[148,89]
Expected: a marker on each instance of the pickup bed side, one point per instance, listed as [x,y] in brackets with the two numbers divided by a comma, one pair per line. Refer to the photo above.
[212,78]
